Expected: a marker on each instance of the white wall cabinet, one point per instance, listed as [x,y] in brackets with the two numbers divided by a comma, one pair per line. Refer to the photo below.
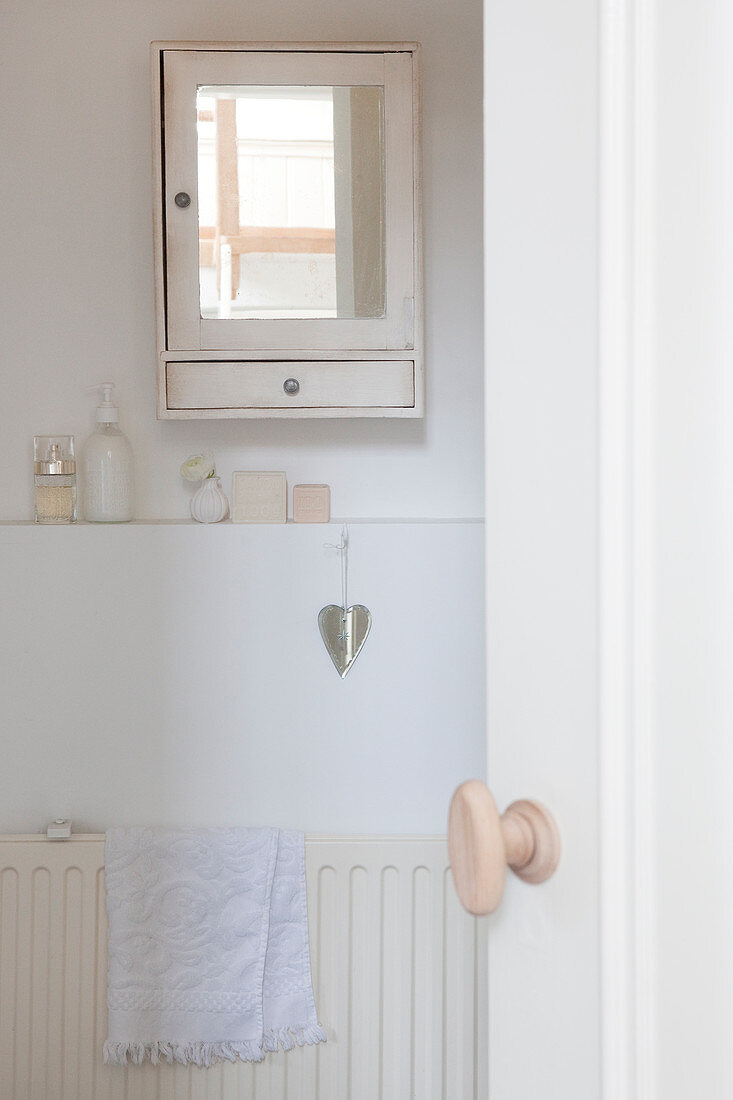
[287,229]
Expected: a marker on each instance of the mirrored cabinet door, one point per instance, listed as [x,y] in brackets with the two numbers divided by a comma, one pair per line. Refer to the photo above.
[288,231]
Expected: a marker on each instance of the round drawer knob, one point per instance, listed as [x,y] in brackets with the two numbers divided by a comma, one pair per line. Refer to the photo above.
[182,199]
[291,386]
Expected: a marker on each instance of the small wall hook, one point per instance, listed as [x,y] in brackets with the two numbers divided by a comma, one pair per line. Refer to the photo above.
[60,829]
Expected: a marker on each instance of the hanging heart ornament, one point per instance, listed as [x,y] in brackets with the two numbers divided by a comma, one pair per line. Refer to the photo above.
[344,634]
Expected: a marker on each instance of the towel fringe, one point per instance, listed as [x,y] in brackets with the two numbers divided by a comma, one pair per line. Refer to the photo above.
[198,1054]
[209,1054]
[287,1037]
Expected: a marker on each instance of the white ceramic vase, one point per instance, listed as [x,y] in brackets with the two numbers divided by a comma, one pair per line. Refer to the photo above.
[209,503]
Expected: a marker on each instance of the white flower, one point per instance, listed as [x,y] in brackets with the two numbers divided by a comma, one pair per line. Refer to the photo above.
[198,467]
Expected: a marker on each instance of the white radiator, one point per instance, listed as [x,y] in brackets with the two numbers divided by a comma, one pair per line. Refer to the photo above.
[399,973]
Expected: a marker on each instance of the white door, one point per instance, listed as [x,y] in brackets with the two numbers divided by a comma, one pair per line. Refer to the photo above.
[609,267]
[566,289]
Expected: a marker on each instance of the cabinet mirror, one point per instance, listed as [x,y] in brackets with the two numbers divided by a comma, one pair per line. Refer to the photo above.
[288,230]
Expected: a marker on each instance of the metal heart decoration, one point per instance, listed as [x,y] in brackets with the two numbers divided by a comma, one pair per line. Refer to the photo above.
[344,634]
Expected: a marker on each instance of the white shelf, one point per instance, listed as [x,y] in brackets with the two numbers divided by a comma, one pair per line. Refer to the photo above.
[228,523]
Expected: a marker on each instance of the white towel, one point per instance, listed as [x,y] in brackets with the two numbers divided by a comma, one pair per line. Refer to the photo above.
[208,945]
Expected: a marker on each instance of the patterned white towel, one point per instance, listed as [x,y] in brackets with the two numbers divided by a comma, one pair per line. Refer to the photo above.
[208,945]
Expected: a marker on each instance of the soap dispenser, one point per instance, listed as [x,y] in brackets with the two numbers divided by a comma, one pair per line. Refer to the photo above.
[108,467]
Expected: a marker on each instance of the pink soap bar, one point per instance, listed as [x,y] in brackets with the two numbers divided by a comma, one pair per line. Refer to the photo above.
[311,503]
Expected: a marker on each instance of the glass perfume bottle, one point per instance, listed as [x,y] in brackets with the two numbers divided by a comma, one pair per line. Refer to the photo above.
[54,471]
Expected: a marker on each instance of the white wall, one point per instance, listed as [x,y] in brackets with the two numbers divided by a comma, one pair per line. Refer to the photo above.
[122,726]
[174,674]
[77,305]
[694,548]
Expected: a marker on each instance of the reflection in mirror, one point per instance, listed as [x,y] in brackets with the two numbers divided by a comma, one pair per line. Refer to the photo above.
[291,185]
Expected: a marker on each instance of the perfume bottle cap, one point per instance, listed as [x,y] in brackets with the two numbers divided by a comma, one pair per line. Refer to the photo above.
[54,454]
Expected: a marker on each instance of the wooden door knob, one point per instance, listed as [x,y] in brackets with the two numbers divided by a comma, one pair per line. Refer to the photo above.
[482,843]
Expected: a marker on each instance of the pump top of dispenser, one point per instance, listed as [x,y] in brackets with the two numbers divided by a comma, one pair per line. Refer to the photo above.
[107,412]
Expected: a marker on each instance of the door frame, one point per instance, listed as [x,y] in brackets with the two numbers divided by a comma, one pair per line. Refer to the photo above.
[626,542]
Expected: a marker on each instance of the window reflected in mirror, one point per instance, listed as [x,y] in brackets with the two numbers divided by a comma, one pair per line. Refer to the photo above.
[291,190]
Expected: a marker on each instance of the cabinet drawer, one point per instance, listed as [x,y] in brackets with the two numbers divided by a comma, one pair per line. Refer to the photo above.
[320,385]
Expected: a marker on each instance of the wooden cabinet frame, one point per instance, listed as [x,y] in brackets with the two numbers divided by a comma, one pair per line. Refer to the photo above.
[215,368]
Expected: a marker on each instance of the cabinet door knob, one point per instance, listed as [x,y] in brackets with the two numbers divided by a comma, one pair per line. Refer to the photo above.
[482,844]
[291,386]
[182,199]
